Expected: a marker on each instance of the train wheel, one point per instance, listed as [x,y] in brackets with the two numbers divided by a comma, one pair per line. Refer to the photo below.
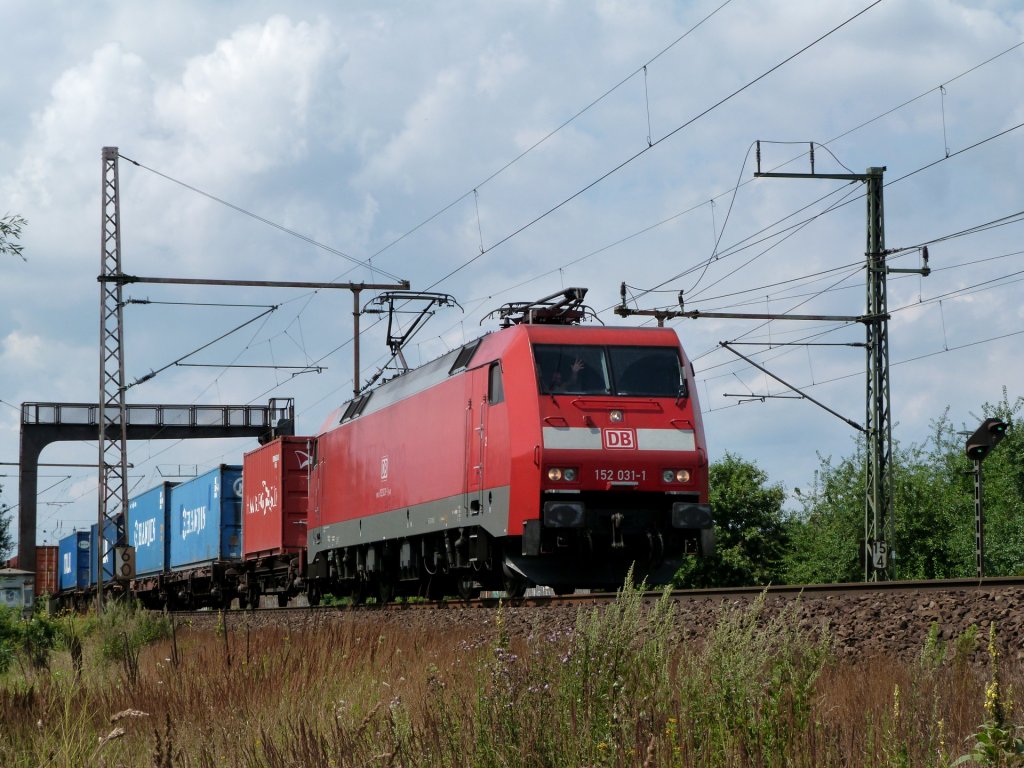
[357,594]
[515,587]
[385,588]
[564,589]
[467,587]
[313,595]
[253,597]
[433,587]
[282,599]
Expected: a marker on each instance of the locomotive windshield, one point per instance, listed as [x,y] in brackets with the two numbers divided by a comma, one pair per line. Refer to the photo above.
[618,370]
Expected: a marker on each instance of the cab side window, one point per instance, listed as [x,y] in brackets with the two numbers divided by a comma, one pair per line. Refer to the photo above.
[495,389]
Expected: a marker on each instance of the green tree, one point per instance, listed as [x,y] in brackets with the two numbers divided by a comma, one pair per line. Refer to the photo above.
[6,540]
[749,528]
[824,537]
[10,232]
[933,507]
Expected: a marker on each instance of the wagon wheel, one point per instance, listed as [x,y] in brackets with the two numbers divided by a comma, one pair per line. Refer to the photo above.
[515,587]
[357,593]
[313,595]
[385,589]
[433,588]
[467,587]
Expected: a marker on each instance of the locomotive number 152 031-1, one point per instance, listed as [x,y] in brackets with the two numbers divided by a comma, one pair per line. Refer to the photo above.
[621,475]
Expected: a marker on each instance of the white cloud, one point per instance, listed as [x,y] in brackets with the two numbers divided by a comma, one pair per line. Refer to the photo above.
[403,157]
[496,66]
[21,351]
[243,108]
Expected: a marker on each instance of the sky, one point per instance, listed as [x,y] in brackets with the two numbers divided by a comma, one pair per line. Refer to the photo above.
[501,152]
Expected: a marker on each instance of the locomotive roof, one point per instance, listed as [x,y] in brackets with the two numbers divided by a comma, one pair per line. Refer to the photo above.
[493,345]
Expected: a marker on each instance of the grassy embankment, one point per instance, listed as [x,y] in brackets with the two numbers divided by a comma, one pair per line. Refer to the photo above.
[618,691]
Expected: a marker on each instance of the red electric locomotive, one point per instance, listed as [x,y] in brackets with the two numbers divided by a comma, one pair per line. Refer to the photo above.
[547,453]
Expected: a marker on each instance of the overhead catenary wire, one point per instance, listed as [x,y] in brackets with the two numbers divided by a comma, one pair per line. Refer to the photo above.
[647,149]
[731,191]
[551,133]
[906,361]
[257,217]
[333,350]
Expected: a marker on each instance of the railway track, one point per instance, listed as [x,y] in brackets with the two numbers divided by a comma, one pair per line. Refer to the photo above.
[809,591]
[862,620]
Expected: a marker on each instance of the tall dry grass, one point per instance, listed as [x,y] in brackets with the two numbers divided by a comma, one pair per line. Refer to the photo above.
[616,690]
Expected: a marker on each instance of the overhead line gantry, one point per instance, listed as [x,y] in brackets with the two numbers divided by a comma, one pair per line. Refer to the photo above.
[112,413]
[879,522]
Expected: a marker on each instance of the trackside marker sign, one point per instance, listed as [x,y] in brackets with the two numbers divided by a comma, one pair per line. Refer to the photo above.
[619,438]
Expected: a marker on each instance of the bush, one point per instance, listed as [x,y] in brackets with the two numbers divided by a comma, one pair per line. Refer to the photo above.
[124,630]
[30,640]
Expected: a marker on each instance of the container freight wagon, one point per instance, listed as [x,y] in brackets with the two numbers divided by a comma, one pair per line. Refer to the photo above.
[274,508]
[540,454]
[204,525]
[74,554]
[146,529]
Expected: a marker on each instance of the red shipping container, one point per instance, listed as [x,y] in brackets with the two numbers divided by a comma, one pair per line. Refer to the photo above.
[46,570]
[275,482]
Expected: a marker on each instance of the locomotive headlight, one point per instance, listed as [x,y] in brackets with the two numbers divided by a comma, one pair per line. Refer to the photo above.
[615,416]
[558,473]
[668,476]
[682,476]
[675,475]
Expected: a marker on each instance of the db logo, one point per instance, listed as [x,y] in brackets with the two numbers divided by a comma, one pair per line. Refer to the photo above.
[619,438]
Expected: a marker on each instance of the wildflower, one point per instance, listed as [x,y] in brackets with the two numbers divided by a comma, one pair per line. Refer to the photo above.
[992,698]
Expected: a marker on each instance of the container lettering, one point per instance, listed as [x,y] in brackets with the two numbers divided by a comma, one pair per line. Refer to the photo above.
[264,501]
[193,521]
[145,532]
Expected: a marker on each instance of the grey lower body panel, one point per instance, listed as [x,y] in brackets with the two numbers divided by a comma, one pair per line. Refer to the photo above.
[448,514]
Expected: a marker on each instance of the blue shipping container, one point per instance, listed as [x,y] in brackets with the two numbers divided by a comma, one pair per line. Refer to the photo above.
[109,540]
[206,518]
[73,553]
[147,529]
